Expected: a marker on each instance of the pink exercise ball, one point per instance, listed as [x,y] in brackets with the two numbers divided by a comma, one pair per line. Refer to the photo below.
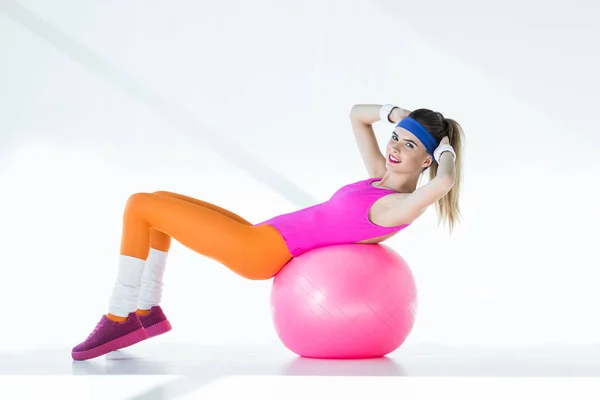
[344,302]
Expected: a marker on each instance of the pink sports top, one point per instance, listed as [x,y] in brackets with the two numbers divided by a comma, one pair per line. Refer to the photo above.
[342,219]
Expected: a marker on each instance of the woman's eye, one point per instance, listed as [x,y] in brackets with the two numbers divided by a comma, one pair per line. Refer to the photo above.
[394,137]
[410,145]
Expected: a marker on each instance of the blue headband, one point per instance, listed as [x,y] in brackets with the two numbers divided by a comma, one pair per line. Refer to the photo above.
[414,127]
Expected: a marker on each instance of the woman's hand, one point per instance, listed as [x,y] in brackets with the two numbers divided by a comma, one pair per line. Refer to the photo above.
[446,164]
[444,141]
[398,114]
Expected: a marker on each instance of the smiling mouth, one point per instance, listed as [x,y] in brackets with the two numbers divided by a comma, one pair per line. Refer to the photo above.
[393,159]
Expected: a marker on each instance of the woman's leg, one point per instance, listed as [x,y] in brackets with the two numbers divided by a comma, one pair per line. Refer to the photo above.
[160,243]
[253,252]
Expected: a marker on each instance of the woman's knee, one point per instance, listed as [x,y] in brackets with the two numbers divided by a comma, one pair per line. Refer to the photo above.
[135,201]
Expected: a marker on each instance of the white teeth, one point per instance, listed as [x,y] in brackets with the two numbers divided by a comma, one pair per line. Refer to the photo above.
[394,158]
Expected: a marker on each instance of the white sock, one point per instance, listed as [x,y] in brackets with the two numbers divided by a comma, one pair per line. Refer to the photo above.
[127,286]
[152,280]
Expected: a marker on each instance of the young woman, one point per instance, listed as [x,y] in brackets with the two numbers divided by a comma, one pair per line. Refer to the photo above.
[367,211]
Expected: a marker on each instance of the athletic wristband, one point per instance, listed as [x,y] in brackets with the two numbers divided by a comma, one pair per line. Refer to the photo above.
[385,111]
[438,152]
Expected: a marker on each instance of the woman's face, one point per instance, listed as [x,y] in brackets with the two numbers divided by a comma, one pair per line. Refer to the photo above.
[405,152]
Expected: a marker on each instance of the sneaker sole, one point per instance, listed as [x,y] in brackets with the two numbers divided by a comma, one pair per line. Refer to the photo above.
[158,328]
[115,344]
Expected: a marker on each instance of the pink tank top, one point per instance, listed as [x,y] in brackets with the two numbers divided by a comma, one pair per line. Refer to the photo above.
[342,219]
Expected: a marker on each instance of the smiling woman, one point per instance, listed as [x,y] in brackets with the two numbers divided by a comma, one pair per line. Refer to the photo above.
[422,139]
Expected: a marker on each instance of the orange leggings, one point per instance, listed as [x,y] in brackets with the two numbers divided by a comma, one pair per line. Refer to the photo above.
[152,219]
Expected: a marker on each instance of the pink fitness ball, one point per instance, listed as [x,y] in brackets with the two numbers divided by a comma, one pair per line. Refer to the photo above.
[344,302]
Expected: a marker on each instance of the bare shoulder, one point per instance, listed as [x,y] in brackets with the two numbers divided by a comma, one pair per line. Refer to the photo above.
[384,212]
[404,208]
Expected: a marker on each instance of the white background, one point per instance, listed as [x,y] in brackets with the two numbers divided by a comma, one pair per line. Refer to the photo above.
[277,79]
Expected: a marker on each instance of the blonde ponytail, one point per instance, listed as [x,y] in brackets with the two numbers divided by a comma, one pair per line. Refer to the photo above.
[448,209]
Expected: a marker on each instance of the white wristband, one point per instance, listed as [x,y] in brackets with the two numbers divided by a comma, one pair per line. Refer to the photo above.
[438,152]
[384,112]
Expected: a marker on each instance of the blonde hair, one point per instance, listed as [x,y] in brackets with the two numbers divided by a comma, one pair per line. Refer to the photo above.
[447,208]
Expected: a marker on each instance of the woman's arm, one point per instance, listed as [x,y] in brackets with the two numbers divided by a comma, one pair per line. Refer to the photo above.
[446,167]
[412,206]
[415,203]
[362,117]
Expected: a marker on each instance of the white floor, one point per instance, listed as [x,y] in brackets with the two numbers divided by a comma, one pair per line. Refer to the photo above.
[185,371]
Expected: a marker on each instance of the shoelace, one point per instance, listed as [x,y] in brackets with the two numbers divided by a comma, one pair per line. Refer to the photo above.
[99,325]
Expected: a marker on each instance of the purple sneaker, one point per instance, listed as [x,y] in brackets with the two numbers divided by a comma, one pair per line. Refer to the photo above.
[155,322]
[110,336]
